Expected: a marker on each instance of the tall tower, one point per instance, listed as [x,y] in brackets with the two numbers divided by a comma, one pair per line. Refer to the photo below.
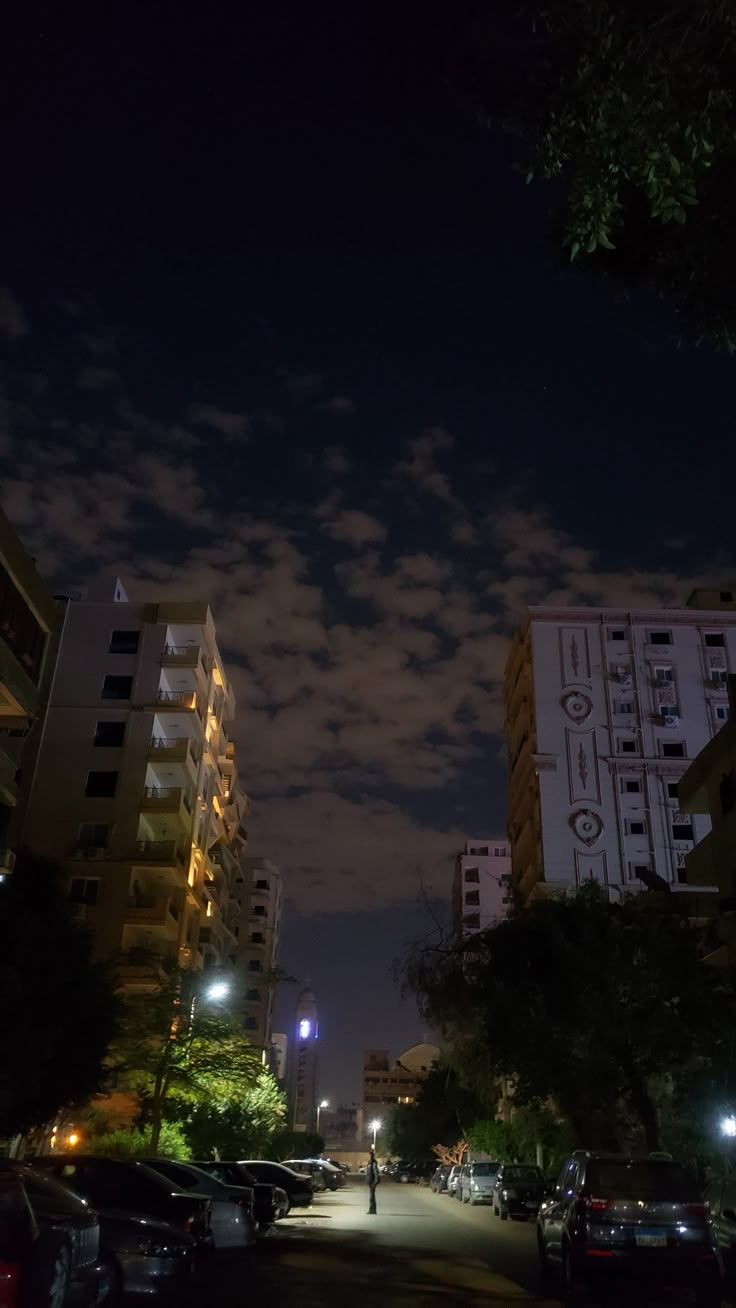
[303,1055]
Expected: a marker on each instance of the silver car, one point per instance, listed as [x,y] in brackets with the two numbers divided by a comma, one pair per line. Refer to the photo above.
[453,1181]
[477,1182]
[232,1222]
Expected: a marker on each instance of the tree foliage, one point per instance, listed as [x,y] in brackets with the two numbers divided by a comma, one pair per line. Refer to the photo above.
[600,1009]
[57,1005]
[629,105]
[444,1109]
[136,1143]
[241,1127]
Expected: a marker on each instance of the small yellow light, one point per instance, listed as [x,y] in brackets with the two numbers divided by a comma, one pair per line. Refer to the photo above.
[73,1139]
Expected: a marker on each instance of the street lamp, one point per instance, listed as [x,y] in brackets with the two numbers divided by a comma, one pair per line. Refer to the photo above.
[218,990]
[375,1127]
[728,1126]
[323,1103]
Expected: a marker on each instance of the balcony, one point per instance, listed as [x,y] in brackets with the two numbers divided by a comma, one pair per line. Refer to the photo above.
[176,700]
[181,656]
[153,911]
[168,749]
[164,852]
[164,799]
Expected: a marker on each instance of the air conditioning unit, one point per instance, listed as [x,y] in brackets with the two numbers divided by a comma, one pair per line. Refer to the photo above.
[670,720]
[624,675]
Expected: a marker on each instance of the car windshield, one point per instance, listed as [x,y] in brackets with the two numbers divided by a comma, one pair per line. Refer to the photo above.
[640,1180]
[485,1169]
[521,1174]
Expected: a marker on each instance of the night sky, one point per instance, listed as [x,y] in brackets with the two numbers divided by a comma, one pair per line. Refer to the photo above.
[285,329]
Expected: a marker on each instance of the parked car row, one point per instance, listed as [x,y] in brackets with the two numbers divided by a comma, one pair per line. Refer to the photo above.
[406,1170]
[87,1230]
[325,1175]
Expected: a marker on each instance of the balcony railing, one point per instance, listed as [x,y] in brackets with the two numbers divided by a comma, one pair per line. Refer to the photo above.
[159,851]
[168,742]
[161,792]
[183,698]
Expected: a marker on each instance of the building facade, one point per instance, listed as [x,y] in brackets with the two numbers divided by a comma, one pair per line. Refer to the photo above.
[387,1084]
[303,1064]
[481,887]
[27,619]
[259,893]
[604,708]
[133,784]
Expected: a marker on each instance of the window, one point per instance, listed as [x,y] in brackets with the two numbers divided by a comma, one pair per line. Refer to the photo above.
[253,994]
[259,910]
[117,687]
[727,791]
[663,673]
[637,828]
[472,897]
[674,750]
[109,733]
[631,787]
[721,712]
[101,785]
[254,965]
[715,638]
[617,633]
[124,642]
[660,637]
[261,885]
[478,849]
[640,871]
[250,1024]
[672,791]
[94,835]
[682,831]
[83,890]
[628,746]
[726,596]
[472,874]
[625,706]
[501,851]
[472,921]
[256,937]
[719,678]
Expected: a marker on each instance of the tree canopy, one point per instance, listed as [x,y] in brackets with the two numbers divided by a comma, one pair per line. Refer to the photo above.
[629,106]
[591,1006]
[57,1005]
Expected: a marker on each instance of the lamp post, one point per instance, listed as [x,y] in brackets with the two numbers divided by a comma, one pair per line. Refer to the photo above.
[375,1127]
[214,992]
[323,1103]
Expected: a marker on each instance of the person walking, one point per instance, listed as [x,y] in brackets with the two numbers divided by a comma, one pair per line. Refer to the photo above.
[373,1177]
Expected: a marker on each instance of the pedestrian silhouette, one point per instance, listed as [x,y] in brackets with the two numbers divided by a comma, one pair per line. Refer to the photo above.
[373,1178]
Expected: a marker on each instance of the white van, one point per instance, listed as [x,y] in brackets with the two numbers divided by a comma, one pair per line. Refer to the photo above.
[476,1183]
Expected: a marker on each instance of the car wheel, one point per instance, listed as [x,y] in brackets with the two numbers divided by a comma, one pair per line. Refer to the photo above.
[110,1288]
[58,1284]
[544,1267]
[404,1178]
[494,1210]
[503,1214]
[570,1276]
[46,1280]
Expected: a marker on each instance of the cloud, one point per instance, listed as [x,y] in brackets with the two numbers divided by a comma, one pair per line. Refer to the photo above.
[335,461]
[341,405]
[420,464]
[90,378]
[233,426]
[356,528]
[13,321]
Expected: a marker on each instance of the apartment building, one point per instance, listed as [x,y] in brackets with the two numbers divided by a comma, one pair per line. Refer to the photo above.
[604,709]
[27,620]
[390,1084]
[132,787]
[259,894]
[303,1064]
[481,887]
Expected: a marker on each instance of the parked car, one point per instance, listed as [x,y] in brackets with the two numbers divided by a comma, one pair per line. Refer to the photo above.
[419,1170]
[270,1202]
[232,1220]
[306,1168]
[299,1188]
[612,1213]
[721,1199]
[49,1243]
[476,1182]
[438,1182]
[518,1191]
[453,1180]
[334,1175]
[132,1187]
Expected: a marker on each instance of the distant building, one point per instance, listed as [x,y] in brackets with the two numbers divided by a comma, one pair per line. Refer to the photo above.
[27,619]
[278,1055]
[134,786]
[303,1064]
[258,891]
[481,888]
[709,787]
[390,1084]
[604,708]
[341,1127]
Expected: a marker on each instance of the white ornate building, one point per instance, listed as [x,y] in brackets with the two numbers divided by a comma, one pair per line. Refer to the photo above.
[481,887]
[604,708]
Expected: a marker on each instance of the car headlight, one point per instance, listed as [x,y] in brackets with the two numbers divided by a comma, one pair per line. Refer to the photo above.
[510,1194]
[153,1248]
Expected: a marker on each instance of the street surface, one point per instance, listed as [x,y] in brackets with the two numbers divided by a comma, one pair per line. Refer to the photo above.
[421,1249]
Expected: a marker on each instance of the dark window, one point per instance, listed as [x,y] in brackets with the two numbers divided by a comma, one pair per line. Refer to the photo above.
[117,687]
[109,733]
[23,635]
[94,835]
[618,634]
[204,935]
[728,792]
[660,638]
[253,994]
[256,937]
[682,876]
[261,885]
[672,790]
[472,874]
[124,642]
[472,897]
[715,638]
[637,828]
[259,910]
[642,871]
[632,787]
[676,750]
[250,1024]
[628,746]
[472,920]
[726,596]
[645,1179]
[682,831]
[83,890]
[101,785]
[254,965]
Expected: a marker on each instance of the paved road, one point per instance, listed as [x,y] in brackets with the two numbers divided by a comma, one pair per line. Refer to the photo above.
[420,1250]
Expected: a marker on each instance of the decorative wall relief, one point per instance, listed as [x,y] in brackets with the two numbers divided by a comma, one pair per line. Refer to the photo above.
[591,867]
[588,826]
[574,656]
[577,705]
[582,765]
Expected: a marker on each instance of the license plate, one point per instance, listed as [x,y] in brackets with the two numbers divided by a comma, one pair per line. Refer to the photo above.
[651,1239]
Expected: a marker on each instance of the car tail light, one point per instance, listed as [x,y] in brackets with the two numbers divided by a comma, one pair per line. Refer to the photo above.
[9,1284]
[697,1210]
[596,1205]
[599,1253]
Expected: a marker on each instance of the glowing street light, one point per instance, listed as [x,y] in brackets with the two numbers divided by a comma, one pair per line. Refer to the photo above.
[218,990]
[375,1127]
[323,1103]
[728,1126]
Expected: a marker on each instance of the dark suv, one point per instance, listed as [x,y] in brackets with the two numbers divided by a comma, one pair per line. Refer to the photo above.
[517,1191]
[611,1213]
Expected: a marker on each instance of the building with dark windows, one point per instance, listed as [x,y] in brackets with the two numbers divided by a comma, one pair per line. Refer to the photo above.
[387,1084]
[481,886]
[303,1064]
[27,619]
[258,892]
